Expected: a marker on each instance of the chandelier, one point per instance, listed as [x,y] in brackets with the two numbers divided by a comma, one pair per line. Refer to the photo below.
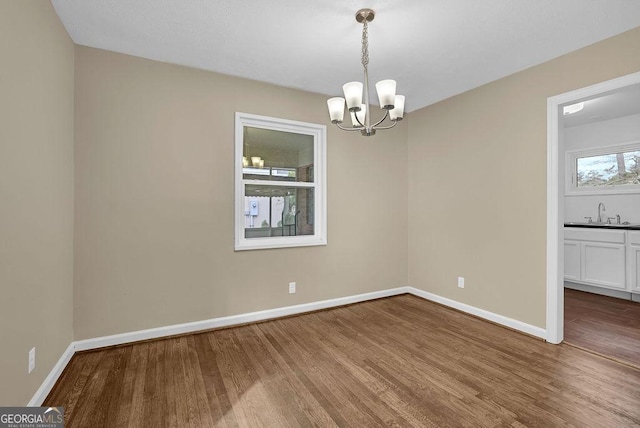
[392,104]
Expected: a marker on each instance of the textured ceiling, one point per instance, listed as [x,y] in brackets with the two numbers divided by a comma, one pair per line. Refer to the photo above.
[434,49]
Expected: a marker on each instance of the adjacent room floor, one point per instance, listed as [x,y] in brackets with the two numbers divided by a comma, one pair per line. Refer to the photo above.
[606,325]
[398,361]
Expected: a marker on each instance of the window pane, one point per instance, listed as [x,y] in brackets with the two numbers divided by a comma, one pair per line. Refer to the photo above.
[277,155]
[612,169]
[278,211]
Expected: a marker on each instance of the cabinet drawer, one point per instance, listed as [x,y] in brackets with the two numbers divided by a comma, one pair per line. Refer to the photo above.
[599,235]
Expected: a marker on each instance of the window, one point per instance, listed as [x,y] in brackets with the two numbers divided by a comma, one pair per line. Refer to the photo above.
[280,183]
[614,169]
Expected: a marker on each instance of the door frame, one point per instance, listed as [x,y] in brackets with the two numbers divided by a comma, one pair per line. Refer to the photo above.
[555,200]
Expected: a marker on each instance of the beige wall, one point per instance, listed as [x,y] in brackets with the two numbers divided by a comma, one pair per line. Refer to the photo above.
[36,194]
[477,182]
[154,200]
[153,216]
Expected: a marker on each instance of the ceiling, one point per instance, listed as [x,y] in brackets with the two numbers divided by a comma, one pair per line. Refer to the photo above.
[434,49]
[619,103]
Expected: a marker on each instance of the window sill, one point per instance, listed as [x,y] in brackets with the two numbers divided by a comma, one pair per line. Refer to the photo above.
[602,192]
[270,243]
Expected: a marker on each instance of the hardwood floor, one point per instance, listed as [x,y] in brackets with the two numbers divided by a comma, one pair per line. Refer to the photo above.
[602,324]
[399,361]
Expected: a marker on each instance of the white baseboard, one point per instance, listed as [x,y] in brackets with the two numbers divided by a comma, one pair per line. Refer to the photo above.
[52,378]
[620,294]
[499,319]
[154,333]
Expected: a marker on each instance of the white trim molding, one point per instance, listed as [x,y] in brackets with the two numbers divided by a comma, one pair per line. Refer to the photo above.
[555,298]
[191,327]
[555,205]
[481,313]
[53,376]
[154,333]
[318,184]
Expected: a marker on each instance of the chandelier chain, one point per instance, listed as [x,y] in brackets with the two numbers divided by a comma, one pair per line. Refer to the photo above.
[365,44]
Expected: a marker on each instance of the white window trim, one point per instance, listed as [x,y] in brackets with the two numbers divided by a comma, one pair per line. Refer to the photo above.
[571,188]
[319,133]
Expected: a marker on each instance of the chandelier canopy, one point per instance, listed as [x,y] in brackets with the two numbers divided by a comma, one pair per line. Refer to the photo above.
[392,104]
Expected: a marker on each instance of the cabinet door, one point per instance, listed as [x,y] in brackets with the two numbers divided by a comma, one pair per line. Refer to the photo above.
[604,264]
[634,268]
[572,260]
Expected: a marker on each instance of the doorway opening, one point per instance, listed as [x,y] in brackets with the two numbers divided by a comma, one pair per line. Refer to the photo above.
[556,190]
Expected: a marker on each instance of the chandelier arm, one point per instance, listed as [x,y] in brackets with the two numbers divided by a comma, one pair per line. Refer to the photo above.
[349,129]
[358,120]
[395,122]
[381,120]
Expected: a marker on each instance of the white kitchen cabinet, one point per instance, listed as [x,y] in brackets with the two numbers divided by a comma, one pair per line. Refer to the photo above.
[633,261]
[572,260]
[604,264]
[596,257]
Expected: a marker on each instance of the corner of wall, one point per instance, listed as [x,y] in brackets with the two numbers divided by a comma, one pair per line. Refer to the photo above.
[36,222]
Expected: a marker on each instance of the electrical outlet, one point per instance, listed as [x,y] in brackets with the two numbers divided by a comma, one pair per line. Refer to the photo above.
[460,282]
[32,359]
[292,287]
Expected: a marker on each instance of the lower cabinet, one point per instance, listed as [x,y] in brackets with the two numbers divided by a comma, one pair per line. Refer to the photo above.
[604,264]
[633,261]
[572,260]
[597,257]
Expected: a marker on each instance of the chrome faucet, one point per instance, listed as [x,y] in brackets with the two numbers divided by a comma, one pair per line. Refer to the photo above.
[616,218]
[600,205]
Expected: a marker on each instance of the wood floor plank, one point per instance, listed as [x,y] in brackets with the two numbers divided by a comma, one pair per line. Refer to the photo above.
[74,377]
[355,344]
[318,378]
[399,361]
[156,399]
[606,325]
[287,390]
[133,389]
[346,374]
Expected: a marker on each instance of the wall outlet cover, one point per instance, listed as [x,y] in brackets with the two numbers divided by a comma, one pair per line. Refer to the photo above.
[460,282]
[292,287]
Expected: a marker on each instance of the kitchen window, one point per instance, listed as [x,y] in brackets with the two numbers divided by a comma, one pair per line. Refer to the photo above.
[614,169]
[280,176]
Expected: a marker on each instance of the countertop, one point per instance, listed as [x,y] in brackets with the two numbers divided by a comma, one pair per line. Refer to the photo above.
[604,226]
